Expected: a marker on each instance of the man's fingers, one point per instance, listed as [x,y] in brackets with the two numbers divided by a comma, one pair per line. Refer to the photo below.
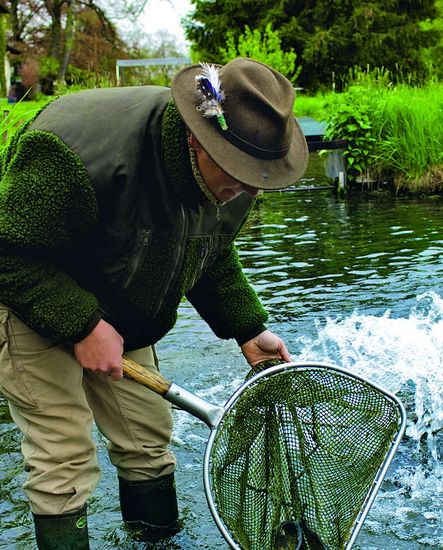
[116,374]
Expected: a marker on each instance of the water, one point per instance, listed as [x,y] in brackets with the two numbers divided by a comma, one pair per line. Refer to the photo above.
[354,282]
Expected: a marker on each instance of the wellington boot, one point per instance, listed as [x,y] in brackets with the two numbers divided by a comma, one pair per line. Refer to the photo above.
[150,507]
[62,532]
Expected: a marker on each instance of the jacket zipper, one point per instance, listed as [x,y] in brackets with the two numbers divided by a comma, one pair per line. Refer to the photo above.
[177,263]
[204,254]
[137,256]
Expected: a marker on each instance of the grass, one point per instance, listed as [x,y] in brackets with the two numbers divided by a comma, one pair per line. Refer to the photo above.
[408,127]
[395,133]
[14,114]
[312,106]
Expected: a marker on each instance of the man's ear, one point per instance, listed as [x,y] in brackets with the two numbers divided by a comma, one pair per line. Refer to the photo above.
[194,143]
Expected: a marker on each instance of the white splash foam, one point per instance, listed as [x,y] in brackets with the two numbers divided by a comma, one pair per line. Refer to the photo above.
[390,352]
[403,355]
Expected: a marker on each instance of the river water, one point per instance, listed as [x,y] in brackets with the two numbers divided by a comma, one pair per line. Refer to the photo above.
[356,282]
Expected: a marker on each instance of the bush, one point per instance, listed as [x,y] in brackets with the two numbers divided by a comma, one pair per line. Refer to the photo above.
[264,47]
[395,133]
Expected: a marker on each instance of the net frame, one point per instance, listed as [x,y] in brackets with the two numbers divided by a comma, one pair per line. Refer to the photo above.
[261,378]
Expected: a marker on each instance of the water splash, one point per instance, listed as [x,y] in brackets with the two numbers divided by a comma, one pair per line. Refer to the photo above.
[405,356]
[392,352]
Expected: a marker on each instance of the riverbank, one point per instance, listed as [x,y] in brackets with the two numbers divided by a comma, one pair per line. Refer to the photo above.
[394,134]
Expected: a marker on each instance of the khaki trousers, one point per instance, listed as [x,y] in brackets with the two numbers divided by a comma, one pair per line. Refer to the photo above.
[54,401]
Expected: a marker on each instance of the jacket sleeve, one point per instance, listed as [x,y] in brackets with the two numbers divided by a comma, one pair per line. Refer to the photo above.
[47,205]
[226,300]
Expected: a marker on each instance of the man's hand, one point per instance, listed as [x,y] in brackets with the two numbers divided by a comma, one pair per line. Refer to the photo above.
[263,347]
[101,350]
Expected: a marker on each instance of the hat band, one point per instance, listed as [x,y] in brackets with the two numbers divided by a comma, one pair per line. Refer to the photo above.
[246,147]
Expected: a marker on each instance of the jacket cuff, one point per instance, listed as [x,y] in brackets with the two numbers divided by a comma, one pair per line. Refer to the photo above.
[250,334]
[88,328]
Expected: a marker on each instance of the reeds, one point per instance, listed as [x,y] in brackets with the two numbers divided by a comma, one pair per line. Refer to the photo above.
[408,127]
[395,132]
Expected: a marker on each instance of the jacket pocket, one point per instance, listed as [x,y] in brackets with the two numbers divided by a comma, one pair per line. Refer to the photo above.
[114,252]
[206,250]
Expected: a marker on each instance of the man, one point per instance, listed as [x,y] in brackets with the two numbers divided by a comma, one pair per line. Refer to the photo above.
[114,204]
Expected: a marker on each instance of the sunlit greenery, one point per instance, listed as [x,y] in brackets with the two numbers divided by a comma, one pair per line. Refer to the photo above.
[12,115]
[395,133]
[329,37]
[264,47]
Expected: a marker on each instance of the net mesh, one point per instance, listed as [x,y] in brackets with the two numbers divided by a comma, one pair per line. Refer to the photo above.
[300,445]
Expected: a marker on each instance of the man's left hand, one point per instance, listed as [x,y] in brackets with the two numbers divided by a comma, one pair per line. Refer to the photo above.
[263,347]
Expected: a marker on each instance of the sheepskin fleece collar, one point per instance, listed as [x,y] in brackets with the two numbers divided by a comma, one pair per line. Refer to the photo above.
[176,158]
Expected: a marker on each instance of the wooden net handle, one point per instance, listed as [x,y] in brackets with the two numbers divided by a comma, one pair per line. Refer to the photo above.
[153,381]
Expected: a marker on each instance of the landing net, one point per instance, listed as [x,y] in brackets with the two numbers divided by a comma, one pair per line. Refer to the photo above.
[303,446]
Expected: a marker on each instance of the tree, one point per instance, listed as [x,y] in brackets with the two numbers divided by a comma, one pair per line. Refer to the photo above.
[24,17]
[61,36]
[3,84]
[95,48]
[208,26]
[328,36]
[66,37]
[123,9]
[432,54]
[264,47]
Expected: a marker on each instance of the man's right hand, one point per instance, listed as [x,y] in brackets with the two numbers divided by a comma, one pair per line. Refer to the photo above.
[101,350]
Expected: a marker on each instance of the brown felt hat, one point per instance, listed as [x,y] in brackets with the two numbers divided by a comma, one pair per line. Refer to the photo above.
[263,145]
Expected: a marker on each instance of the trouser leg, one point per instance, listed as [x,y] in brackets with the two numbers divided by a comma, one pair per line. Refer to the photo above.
[43,384]
[136,422]
[138,425]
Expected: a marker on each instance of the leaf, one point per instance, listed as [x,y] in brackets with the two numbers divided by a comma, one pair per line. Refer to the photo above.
[351,127]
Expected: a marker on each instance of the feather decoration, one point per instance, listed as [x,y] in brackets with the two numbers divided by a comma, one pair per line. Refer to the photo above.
[209,85]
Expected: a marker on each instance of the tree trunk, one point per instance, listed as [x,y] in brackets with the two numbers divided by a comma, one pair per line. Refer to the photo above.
[68,43]
[55,11]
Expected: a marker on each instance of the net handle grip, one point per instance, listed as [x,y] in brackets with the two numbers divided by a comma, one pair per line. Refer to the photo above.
[153,381]
[209,413]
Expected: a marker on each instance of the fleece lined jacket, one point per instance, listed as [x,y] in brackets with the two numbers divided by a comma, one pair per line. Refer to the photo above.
[116,226]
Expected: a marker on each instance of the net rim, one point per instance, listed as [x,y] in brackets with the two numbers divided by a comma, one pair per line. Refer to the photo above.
[304,366]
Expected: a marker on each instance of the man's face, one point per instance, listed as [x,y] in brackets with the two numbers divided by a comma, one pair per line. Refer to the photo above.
[221,184]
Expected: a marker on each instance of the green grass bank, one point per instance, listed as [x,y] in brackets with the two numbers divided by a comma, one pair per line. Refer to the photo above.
[395,133]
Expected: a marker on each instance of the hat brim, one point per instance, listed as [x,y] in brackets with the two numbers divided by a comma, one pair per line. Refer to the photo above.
[248,169]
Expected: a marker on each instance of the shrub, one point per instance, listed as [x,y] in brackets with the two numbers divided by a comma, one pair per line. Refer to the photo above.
[395,134]
[264,47]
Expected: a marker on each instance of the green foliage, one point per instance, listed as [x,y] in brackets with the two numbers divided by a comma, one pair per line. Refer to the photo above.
[409,131]
[13,115]
[211,22]
[3,30]
[395,134]
[329,37]
[80,79]
[432,54]
[349,120]
[264,47]
[48,66]
[312,106]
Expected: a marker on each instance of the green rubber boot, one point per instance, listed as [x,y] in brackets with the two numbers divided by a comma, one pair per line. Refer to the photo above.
[62,532]
[150,507]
